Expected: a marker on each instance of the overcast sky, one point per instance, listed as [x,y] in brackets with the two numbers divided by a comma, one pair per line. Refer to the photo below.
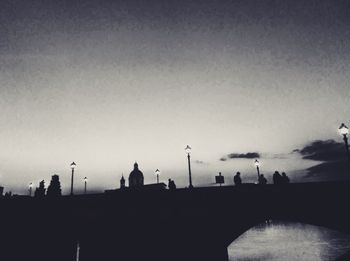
[108,83]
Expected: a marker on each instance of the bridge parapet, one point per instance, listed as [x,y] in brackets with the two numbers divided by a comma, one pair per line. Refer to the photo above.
[184,224]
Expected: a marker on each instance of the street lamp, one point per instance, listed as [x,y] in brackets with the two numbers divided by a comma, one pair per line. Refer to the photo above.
[30,188]
[157,174]
[72,165]
[344,130]
[257,165]
[188,151]
[85,183]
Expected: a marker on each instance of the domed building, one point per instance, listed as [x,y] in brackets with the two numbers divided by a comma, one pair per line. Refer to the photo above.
[136,177]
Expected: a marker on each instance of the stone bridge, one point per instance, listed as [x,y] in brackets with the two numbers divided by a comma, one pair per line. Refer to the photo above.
[185,224]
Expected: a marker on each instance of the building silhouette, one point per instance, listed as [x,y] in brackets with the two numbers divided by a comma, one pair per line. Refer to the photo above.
[122,182]
[136,183]
[135,177]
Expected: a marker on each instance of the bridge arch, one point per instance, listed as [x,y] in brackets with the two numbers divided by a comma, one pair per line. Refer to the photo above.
[290,240]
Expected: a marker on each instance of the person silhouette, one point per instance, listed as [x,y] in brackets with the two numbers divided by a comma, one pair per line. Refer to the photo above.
[277,178]
[262,180]
[171,184]
[284,178]
[237,179]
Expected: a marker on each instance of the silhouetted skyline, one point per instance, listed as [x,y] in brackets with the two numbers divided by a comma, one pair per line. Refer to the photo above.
[108,83]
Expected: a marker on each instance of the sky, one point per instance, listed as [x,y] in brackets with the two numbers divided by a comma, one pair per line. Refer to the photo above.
[108,83]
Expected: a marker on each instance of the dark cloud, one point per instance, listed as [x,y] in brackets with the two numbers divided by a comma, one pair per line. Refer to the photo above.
[248,155]
[332,154]
[323,150]
[330,170]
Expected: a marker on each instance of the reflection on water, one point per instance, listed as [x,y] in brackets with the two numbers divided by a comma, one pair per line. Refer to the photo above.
[289,241]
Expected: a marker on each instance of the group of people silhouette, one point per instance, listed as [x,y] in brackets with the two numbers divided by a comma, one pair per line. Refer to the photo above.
[277,178]
[280,179]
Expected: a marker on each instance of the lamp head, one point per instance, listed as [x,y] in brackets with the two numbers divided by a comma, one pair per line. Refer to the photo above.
[256,163]
[73,165]
[343,129]
[157,171]
[85,179]
[188,149]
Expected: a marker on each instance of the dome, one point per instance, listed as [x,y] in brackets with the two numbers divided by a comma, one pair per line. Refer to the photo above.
[136,177]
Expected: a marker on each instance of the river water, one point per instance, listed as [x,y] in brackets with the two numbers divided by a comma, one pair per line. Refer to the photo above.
[276,241]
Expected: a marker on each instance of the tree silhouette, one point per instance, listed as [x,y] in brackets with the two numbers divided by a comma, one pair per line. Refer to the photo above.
[40,191]
[54,189]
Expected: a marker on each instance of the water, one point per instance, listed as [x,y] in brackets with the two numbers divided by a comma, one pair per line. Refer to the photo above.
[276,241]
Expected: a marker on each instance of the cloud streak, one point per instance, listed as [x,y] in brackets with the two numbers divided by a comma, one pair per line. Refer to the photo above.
[200,162]
[248,155]
[323,150]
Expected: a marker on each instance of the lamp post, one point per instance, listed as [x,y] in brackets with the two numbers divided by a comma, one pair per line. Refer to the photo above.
[344,130]
[30,188]
[85,184]
[157,174]
[257,165]
[72,165]
[188,151]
